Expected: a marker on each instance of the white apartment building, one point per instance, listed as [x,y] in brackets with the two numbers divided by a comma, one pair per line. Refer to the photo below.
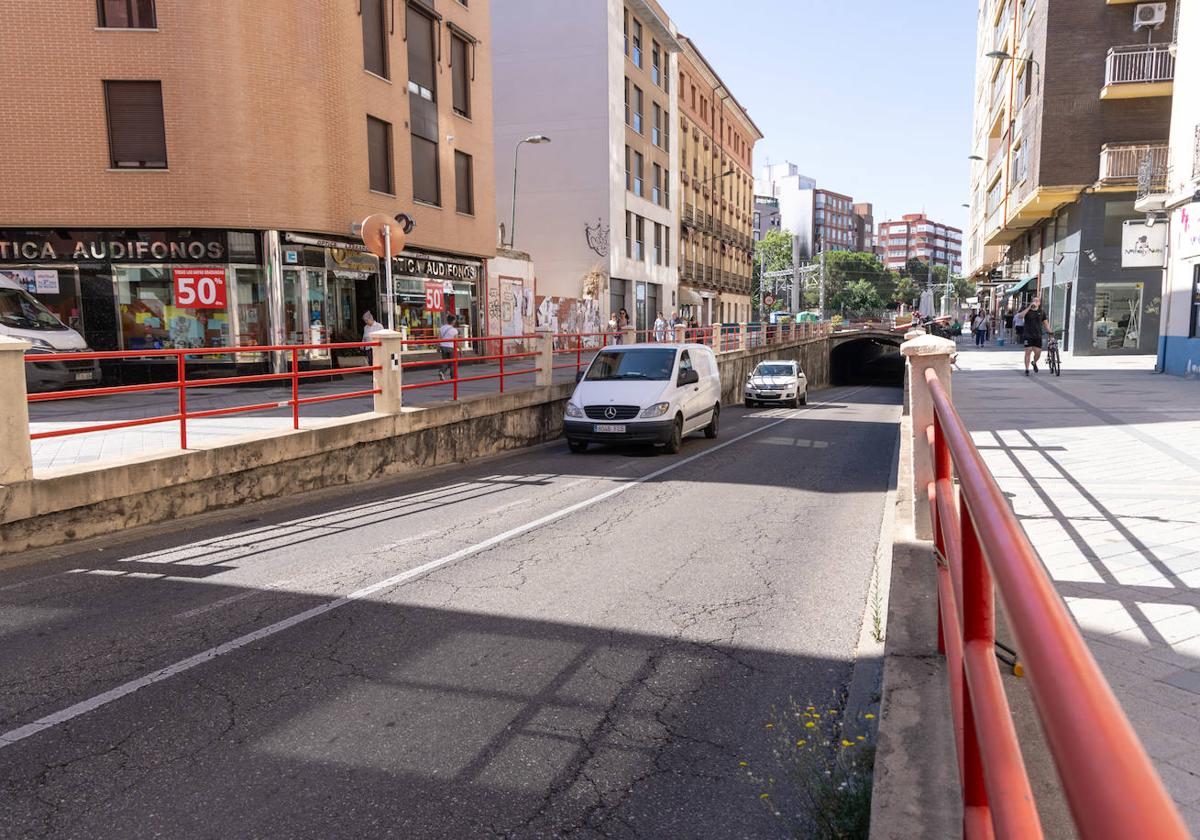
[796,195]
[594,205]
[1179,341]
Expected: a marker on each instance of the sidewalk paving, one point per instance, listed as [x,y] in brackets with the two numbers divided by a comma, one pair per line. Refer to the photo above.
[1102,466]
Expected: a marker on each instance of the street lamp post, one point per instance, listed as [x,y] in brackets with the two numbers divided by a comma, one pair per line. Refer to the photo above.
[512,229]
[1001,55]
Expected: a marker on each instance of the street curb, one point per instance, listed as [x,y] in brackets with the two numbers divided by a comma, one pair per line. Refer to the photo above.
[866,679]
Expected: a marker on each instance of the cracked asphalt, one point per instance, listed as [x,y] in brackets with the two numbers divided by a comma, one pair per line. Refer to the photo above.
[600,675]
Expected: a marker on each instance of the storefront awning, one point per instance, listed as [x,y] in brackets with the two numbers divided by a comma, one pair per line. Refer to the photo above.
[1021,284]
[689,297]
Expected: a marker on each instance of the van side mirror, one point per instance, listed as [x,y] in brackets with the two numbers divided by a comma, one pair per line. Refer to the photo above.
[689,377]
[579,376]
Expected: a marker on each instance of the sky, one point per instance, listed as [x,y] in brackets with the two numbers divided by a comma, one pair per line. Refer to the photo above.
[872,98]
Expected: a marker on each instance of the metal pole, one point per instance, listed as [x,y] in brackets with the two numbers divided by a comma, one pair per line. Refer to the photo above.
[388,291]
[512,228]
[822,284]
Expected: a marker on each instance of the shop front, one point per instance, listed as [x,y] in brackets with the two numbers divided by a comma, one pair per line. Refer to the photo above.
[125,289]
[430,287]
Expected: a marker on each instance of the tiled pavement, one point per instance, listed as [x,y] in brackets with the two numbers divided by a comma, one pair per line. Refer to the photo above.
[1102,466]
[96,447]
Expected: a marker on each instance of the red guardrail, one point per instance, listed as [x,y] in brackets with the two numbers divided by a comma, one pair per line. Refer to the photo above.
[493,351]
[181,384]
[1109,782]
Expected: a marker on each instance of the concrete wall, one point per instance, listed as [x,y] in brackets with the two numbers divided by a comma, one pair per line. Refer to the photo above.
[65,505]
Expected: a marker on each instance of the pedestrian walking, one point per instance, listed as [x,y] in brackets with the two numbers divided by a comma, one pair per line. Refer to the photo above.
[448,333]
[613,336]
[623,322]
[370,327]
[1019,325]
[660,328]
[1035,326]
[980,328]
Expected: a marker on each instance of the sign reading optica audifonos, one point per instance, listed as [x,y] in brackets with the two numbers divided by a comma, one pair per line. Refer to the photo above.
[199,288]
[437,268]
[136,246]
[1142,245]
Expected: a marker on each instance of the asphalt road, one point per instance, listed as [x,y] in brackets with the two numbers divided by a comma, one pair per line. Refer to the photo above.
[542,645]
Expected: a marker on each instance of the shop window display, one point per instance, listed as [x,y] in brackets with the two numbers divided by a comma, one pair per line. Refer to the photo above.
[1118,316]
[150,320]
[251,306]
[55,288]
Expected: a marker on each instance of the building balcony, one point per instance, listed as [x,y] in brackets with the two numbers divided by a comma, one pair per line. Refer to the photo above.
[1139,71]
[1120,163]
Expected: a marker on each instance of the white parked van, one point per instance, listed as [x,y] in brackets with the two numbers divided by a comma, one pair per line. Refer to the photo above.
[23,316]
[645,393]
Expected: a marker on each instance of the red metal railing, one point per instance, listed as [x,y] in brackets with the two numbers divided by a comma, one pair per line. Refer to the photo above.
[1109,782]
[181,384]
[581,347]
[493,349]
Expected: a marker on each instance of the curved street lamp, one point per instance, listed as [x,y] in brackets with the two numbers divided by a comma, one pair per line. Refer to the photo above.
[1002,55]
[534,138]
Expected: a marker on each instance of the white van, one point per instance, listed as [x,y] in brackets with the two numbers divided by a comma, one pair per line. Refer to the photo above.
[645,393]
[23,316]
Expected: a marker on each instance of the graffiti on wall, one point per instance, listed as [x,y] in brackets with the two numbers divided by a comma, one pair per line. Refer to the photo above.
[570,315]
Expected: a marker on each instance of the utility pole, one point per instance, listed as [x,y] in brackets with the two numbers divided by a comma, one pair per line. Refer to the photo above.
[795,276]
[821,284]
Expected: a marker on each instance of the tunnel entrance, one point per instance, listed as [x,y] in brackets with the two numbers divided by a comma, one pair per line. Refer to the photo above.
[866,361]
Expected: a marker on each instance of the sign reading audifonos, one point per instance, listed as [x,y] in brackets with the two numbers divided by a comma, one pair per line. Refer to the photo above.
[435,268]
[153,246]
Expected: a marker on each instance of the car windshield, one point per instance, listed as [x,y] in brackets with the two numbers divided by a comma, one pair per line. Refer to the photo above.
[642,364]
[21,310]
[775,370]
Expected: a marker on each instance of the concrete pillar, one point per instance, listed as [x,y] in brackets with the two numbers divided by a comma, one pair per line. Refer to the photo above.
[16,462]
[629,335]
[924,352]
[545,360]
[388,377]
[680,333]
[743,336]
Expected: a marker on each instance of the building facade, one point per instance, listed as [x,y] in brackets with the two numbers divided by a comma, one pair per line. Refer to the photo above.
[1073,103]
[916,236]
[181,157]
[1179,198]
[766,216]
[795,196]
[864,228]
[716,242]
[595,205]
[834,226]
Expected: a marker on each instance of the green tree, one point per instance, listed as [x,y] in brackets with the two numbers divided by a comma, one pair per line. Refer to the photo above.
[858,297]
[965,287]
[774,253]
[906,292]
[845,267]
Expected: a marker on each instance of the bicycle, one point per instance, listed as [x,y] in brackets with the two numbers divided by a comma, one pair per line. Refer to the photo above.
[1053,359]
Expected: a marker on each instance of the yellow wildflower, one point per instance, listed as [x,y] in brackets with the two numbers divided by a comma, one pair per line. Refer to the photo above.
[846,743]
[809,725]
[763,795]
[801,742]
[869,716]
[862,737]
[770,726]
[743,764]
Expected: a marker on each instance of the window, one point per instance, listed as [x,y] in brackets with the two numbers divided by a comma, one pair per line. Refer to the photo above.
[628,121]
[639,173]
[666,188]
[626,31]
[658,243]
[127,14]
[460,73]
[666,244]
[464,187]
[426,185]
[656,189]
[656,128]
[639,238]
[379,155]
[421,67]
[375,39]
[656,73]
[628,235]
[628,168]
[637,109]
[637,43]
[137,135]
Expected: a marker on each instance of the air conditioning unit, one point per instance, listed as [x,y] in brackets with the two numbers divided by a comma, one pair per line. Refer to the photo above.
[1151,15]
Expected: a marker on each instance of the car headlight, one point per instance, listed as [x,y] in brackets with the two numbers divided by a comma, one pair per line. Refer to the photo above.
[656,410]
[40,344]
[574,410]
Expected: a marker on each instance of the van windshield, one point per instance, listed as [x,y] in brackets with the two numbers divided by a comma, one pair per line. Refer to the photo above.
[775,370]
[21,310]
[642,364]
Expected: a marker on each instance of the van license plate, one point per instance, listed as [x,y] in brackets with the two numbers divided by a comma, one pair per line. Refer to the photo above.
[87,374]
[605,429]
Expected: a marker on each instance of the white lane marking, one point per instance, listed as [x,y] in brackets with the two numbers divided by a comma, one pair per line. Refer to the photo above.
[232,599]
[7,739]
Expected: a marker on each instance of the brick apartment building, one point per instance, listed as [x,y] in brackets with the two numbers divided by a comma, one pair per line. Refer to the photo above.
[157,135]
[1076,108]
[717,140]
[819,219]
[916,236]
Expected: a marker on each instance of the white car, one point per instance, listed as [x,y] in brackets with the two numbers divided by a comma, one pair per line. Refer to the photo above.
[23,316]
[645,393]
[778,381]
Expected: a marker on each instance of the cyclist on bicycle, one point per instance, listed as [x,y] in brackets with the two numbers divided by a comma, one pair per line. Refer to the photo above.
[1036,323]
